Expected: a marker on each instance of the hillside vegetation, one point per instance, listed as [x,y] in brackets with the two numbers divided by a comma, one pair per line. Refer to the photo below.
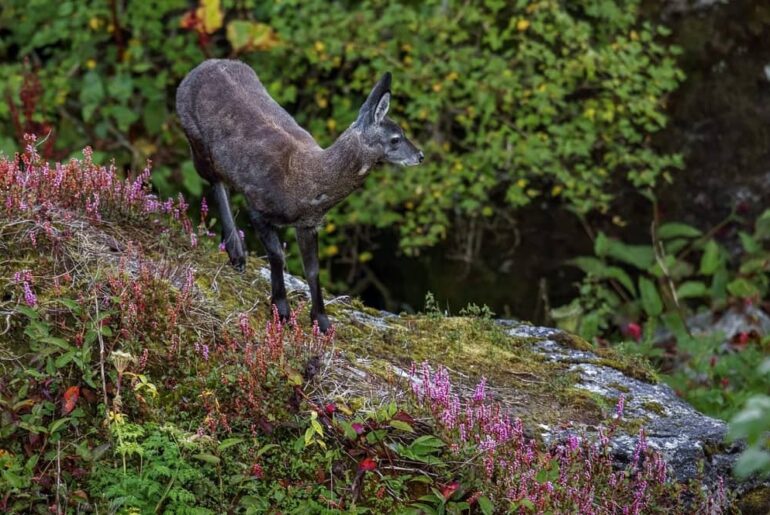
[141,374]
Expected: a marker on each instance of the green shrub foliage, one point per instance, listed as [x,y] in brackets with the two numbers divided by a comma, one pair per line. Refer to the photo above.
[511,101]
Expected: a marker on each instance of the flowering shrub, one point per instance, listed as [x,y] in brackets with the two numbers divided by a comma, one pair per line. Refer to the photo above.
[572,476]
[257,379]
[32,187]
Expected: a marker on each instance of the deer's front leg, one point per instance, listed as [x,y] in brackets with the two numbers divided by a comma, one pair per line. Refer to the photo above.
[308,246]
[268,235]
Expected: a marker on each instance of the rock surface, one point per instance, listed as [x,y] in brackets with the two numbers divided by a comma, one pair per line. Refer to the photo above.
[686,438]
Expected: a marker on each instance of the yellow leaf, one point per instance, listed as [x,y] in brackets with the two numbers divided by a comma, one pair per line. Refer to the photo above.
[246,36]
[210,13]
[522,25]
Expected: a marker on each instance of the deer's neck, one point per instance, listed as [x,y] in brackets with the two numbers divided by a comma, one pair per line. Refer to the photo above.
[343,166]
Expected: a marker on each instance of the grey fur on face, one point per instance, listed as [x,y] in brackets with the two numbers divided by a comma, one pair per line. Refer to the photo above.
[242,139]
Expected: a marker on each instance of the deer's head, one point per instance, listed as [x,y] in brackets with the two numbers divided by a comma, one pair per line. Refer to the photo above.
[382,136]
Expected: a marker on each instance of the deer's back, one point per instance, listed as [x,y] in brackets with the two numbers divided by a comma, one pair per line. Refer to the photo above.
[231,119]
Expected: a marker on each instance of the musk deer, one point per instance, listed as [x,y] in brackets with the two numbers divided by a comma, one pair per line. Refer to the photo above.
[242,139]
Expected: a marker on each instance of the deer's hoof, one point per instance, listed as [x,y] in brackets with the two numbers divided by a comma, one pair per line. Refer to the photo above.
[323,322]
[239,263]
[283,309]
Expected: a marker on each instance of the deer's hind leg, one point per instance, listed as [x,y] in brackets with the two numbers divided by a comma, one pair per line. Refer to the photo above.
[230,236]
[218,194]
[268,235]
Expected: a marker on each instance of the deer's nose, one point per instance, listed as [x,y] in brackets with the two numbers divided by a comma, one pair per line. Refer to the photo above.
[421,156]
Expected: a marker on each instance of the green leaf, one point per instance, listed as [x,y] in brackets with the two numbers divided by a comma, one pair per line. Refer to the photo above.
[651,301]
[208,458]
[191,180]
[742,288]
[762,226]
[246,35]
[601,245]
[598,268]
[403,426]
[690,289]
[71,304]
[29,312]
[65,359]
[57,424]
[229,442]
[753,460]
[59,342]
[266,448]
[317,427]
[486,506]
[428,441]
[677,230]
[347,428]
[719,283]
[711,258]
[749,244]
[639,256]
[153,116]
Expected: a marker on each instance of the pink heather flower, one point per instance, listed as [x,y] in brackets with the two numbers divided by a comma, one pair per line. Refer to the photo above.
[330,408]
[358,428]
[480,394]
[203,350]
[204,208]
[222,246]
[29,296]
[619,408]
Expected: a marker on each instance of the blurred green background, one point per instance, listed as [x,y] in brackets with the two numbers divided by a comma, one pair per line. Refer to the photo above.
[597,164]
[514,103]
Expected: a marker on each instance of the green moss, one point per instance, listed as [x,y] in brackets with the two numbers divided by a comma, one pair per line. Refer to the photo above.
[654,407]
[543,391]
[619,387]
[755,502]
[632,366]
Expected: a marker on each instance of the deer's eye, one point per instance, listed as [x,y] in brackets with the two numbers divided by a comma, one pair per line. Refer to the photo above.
[394,140]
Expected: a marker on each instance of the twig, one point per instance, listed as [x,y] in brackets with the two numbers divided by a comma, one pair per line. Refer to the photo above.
[58,476]
[101,360]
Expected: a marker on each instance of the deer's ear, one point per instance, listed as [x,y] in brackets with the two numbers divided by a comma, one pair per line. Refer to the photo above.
[371,107]
[382,107]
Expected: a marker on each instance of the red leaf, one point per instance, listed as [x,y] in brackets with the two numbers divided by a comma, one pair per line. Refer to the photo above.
[449,489]
[634,330]
[404,417]
[367,464]
[70,399]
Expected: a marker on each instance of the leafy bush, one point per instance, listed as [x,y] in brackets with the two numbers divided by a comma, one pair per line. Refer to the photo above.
[512,101]
[752,423]
[650,296]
